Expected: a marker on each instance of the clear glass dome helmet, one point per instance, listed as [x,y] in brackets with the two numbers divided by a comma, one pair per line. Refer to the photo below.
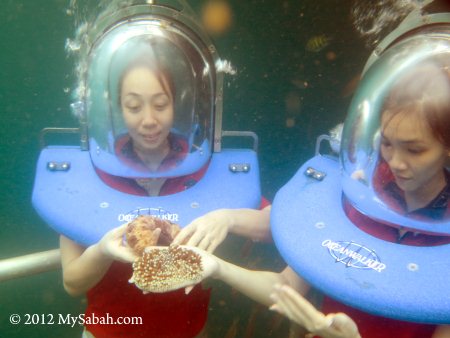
[170,46]
[423,55]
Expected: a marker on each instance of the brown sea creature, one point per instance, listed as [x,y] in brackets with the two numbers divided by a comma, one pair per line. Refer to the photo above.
[166,269]
[141,232]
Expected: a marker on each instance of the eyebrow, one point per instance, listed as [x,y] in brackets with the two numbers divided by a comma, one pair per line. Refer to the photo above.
[131,94]
[404,141]
[139,95]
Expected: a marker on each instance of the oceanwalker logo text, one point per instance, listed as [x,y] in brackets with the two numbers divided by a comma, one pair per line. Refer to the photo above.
[155,212]
[354,255]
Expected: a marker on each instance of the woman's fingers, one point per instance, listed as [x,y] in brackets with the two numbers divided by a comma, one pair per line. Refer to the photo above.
[212,246]
[293,300]
[207,243]
[344,325]
[188,289]
[183,235]
[298,309]
[118,232]
[156,234]
[196,238]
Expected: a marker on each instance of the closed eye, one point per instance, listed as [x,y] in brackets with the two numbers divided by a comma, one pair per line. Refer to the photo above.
[416,150]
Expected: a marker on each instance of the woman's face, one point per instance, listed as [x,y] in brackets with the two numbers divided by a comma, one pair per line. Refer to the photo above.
[414,155]
[147,110]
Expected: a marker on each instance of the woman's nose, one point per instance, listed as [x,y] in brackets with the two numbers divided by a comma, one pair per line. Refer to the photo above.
[396,161]
[148,117]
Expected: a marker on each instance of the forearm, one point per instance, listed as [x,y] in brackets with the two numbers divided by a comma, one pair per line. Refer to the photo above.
[82,269]
[250,223]
[257,285]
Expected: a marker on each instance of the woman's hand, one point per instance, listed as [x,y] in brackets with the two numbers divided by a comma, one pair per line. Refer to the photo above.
[83,267]
[208,231]
[112,245]
[291,304]
[209,266]
[210,263]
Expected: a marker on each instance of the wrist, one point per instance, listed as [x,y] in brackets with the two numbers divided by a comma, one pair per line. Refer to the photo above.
[218,271]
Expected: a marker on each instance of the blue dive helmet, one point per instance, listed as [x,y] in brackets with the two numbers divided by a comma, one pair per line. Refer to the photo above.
[421,55]
[170,43]
[162,41]
[310,225]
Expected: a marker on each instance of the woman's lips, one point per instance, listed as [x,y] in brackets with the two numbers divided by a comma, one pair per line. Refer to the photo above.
[401,178]
[151,138]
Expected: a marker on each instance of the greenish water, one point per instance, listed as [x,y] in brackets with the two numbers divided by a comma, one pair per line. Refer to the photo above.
[266,44]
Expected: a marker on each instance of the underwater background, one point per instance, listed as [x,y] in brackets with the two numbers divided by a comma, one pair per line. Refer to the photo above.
[297,65]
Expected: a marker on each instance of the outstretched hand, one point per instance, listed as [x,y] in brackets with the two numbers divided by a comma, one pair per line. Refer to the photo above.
[291,304]
[113,246]
[209,265]
[206,232]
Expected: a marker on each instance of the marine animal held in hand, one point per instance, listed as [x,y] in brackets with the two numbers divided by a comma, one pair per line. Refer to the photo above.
[141,232]
[164,269]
